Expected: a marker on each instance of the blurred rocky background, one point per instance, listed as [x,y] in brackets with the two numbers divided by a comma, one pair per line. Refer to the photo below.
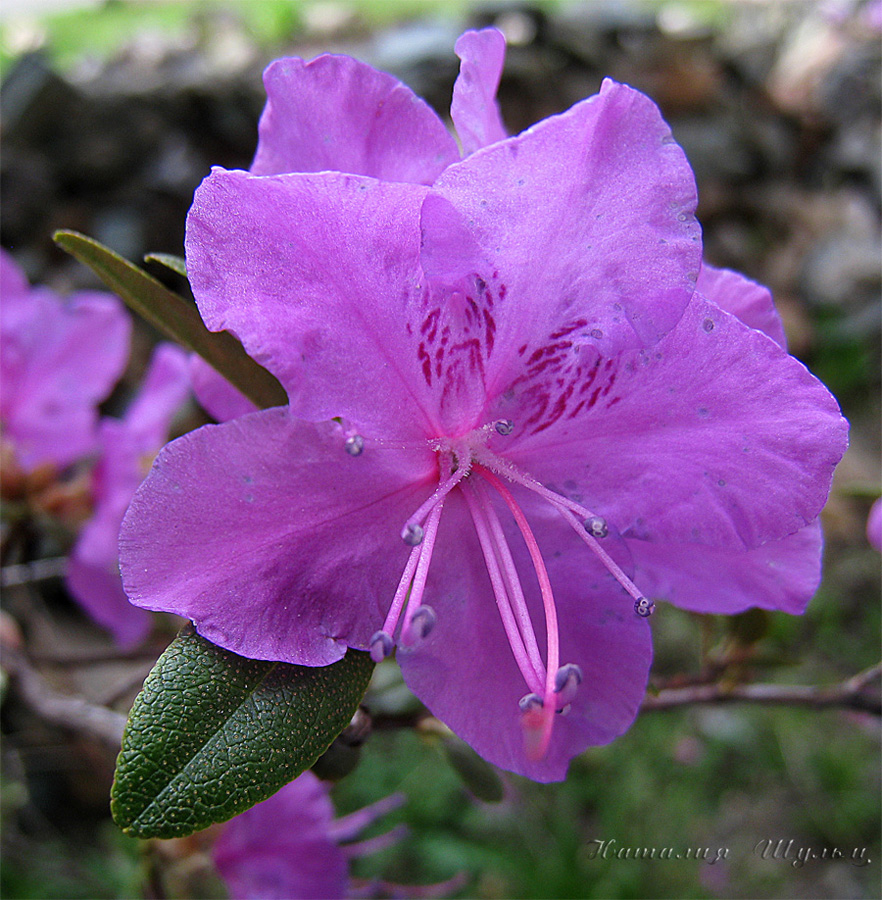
[111,114]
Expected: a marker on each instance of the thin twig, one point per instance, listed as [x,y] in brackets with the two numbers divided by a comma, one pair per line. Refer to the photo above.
[62,709]
[31,572]
[848,694]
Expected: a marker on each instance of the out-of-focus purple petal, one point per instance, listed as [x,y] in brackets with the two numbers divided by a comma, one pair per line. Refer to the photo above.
[714,436]
[465,673]
[335,113]
[347,828]
[127,447]
[319,277]
[281,848]
[13,283]
[474,109]
[582,225]
[217,396]
[747,300]
[271,537]
[874,525]
[59,360]
[94,581]
[781,575]
[165,387]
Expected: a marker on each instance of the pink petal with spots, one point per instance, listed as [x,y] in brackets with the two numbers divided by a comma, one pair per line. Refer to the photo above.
[714,436]
[582,225]
[747,300]
[780,574]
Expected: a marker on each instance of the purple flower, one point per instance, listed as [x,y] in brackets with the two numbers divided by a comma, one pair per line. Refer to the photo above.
[874,525]
[60,359]
[290,847]
[127,446]
[532,404]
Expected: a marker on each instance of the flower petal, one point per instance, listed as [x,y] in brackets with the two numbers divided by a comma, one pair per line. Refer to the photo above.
[714,436]
[60,359]
[319,276]
[474,109]
[281,849]
[465,673]
[780,575]
[163,391]
[747,300]
[874,525]
[584,221]
[94,581]
[336,113]
[273,539]
[215,394]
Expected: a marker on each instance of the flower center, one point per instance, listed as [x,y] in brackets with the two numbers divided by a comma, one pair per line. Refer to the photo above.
[468,465]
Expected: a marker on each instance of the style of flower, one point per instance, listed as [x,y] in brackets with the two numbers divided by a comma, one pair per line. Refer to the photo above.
[290,847]
[58,360]
[127,448]
[534,411]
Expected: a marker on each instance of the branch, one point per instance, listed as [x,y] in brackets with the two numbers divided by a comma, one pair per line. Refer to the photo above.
[62,709]
[848,694]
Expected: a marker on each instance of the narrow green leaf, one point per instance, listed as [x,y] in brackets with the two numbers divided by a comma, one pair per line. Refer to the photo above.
[476,774]
[170,261]
[176,318]
[213,733]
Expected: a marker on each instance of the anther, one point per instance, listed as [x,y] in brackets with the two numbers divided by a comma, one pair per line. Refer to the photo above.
[596,526]
[381,646]
[354,445]
[412,534]
[530,701]
[422,623]
[566,682]
[644,607]
[504,426]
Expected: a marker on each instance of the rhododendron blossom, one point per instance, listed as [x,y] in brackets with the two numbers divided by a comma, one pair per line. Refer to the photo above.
[291,847]
[513,423]
[58,360]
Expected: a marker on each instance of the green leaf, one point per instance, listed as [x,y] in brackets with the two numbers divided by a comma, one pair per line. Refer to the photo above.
[176,318]
[476,774]
[213,733]
[170,261]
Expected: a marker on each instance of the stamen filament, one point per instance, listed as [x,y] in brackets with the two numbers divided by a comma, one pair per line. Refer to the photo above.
[422,571]
[440,493]
[566,507]
[515,592]
[605,558]
[493,462]
[401,591]
[536,750]
[533,678]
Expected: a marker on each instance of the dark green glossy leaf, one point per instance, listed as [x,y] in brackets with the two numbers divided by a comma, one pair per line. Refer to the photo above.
[175,317]
[213,733]
[170,261]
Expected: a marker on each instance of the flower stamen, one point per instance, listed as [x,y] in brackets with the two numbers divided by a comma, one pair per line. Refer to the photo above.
[530,665]
[537,730]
